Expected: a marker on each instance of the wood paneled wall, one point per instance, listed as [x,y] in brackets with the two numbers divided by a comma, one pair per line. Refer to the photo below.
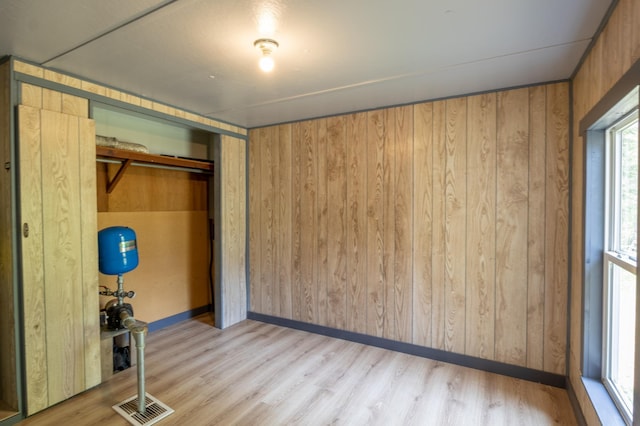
[614,52]
[231,264]
[59,253]
[443,224]
[8,374]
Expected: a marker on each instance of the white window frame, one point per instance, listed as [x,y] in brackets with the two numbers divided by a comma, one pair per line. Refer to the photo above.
[614,257]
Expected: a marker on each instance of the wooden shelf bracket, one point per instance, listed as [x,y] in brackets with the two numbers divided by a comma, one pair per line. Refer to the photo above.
[112,184]
[126,158]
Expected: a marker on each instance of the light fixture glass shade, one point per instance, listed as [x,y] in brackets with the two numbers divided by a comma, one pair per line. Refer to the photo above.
[266,63]
[266,46]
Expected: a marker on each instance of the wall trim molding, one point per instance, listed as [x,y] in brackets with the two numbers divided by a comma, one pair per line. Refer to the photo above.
[174,319]
[524,373]
[622,97]
[573,399]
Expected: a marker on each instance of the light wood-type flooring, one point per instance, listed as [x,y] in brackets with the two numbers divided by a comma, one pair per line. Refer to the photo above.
[260,374]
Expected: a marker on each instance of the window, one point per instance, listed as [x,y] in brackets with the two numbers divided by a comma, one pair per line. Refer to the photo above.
[619,262]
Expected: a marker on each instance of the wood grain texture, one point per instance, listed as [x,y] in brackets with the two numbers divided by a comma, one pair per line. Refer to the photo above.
[255,222]
[321,248]
[59,255]
[51,100]
[74,105]
[388,222]
[375,224]
[89,251]
[63,255]
[455,224]
[449,235]
[588,88]
[268,200]
[481,235]
[438,293]
[336,175]
[212,376]
[283,235]
[537,224]
[30,95]
[308,221]
[511,226]
[231,231]
[423,227]
[8,367]
[296,223]
[98,89]
[403,224]
[32,248]
[150,189]
[239,253]
[557,229]
[356,169]
[62,79]
[274,178]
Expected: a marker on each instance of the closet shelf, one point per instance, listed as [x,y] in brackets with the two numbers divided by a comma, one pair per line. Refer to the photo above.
[126,158]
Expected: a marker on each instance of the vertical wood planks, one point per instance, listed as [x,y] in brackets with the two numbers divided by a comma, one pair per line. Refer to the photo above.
[423,219]
[455,224]
[388,222]
[231,232]
[89,251]
[537,222]
[308,220]
[621,42]
[63,255]
[356,169]
[284,219]
[438,291]
[422,224]
[322,276]
[403,223]
[8,362]
[58,202]
[268,203]
[375,224]
[255,221]
[30,95]
[239,252]
[30,157]
[481,235]
[296,224]
[511,226]
[557,230]
[336,178]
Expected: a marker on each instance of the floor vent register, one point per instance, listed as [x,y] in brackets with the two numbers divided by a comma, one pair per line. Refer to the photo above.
[155,411]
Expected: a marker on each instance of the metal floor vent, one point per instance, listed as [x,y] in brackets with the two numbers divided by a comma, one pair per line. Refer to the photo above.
[155,411]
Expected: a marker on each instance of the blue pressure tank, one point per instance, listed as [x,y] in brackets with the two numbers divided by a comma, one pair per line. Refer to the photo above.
[117,250]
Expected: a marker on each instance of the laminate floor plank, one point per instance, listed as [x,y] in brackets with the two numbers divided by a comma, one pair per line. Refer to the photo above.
[260,374]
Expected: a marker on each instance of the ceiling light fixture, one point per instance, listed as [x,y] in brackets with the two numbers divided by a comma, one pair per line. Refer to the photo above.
[266,46]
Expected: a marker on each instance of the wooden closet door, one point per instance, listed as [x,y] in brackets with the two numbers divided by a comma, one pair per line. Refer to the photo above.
[59,255]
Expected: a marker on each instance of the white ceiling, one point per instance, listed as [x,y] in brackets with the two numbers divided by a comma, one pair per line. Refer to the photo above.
[335,56]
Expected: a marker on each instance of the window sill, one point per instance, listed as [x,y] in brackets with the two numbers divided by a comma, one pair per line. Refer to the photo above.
[603,404]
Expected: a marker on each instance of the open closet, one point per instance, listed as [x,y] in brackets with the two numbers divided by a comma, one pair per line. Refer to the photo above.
[183,193]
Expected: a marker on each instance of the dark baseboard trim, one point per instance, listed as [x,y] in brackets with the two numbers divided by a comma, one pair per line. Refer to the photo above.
[174,319]
[518,372]
[573,399]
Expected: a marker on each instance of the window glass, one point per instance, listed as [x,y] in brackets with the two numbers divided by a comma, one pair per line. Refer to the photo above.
[619,301]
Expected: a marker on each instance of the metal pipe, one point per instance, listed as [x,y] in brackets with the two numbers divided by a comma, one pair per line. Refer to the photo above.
[138,333]
[120,289]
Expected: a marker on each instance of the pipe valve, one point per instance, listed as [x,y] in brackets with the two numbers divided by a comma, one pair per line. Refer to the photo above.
[118,293]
